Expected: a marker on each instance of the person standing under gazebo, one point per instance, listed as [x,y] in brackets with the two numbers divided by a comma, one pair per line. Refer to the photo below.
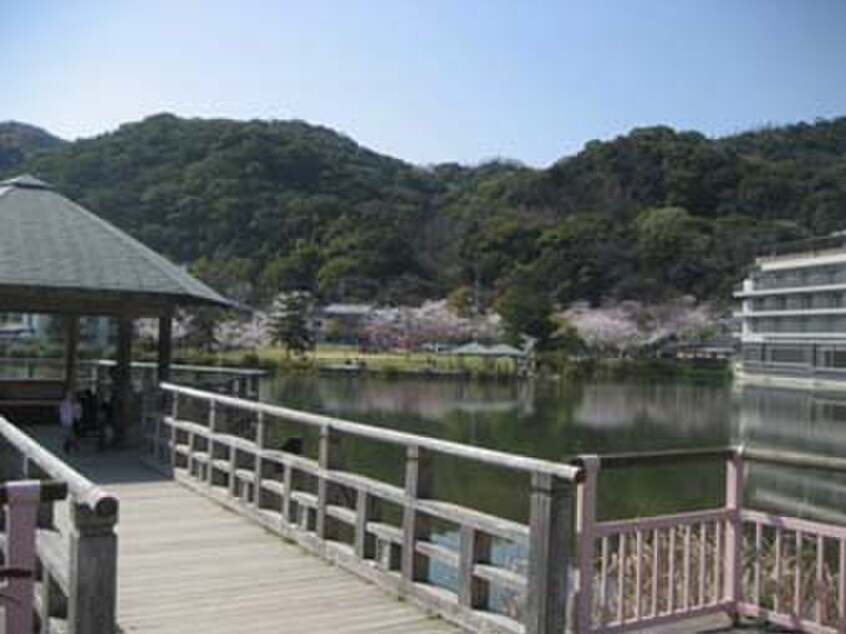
[70,411]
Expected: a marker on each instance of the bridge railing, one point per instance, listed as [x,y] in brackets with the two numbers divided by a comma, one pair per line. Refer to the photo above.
[644,572]
[76,544]
[228,448]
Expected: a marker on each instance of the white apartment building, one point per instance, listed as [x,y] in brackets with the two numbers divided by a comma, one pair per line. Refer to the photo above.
[794,315]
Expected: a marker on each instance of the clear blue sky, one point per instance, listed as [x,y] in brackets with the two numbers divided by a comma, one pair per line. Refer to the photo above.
[429,80]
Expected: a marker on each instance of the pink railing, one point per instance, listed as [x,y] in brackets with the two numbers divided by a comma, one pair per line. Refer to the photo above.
[644,572]
[22,499]
[794,572]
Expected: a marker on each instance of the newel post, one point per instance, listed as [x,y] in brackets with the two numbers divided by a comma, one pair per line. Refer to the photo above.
[734,527]
[92,598]
[585,526]
[550,527]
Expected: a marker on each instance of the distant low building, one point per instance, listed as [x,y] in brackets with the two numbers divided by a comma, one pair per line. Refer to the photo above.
[341,322]
[794,315]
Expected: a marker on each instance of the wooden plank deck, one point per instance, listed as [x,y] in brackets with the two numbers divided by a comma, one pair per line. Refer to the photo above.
[186,563]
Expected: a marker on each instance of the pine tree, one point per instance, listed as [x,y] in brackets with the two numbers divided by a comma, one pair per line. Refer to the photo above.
[289,322]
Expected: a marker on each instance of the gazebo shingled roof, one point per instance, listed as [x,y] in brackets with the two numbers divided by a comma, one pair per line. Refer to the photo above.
[56,256]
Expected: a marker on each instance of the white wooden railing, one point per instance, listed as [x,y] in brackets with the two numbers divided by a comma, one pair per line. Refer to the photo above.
[228,448]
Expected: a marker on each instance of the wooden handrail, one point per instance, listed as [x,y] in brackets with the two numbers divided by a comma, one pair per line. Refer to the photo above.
[752,454]
[658,458]
[488,456]
[85,492]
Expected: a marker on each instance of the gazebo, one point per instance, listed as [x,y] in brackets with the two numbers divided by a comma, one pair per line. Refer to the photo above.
[58,258]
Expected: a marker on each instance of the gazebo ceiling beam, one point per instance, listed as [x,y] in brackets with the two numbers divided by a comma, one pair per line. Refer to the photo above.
[72,302]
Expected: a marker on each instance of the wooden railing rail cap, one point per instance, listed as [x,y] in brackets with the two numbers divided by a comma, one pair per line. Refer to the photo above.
[489,456]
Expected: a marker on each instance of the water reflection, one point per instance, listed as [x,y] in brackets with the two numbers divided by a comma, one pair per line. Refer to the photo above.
[794,420]
[547,420]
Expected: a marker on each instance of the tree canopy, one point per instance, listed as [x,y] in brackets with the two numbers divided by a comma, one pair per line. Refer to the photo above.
[259,207]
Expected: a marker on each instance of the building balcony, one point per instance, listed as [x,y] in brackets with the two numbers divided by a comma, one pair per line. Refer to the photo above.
[790,312]
[791,290]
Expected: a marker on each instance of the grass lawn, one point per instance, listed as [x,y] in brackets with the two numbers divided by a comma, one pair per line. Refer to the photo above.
[331,354]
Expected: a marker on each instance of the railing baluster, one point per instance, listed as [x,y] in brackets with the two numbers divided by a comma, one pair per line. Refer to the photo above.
[686,563]
[656,569]
[841,586]
[777,570]
[703,539]
[671,576]
[819,589]
[757,579]
[603,576]
[621,578]
[638,559]
[718,558]
[797,576]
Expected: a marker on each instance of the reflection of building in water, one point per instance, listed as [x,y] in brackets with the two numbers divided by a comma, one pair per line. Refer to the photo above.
[794,316]
[685,406]
[794,420]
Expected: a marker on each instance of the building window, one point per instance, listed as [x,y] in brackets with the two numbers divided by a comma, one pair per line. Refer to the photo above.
[753,353]
[833,357]
[788,354]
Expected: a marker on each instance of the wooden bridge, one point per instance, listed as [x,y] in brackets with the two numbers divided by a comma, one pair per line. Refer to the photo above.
[232,528]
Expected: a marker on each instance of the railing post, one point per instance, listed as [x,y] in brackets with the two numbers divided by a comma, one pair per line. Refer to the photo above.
[474,547]
[415,526]
[212,423]
[550,527]
[93,572]
[734,527]
[329,457]
[585,521]
[21,520]
[258,464]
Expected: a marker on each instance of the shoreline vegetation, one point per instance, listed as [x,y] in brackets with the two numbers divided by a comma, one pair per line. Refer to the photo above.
[347,360]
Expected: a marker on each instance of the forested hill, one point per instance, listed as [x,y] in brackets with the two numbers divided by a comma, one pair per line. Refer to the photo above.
[19,141]
[256,206]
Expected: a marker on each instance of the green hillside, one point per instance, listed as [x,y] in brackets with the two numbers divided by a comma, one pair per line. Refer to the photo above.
[19,141]
[256,206]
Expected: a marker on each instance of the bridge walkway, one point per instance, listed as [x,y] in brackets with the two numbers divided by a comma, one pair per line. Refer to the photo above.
[185,563]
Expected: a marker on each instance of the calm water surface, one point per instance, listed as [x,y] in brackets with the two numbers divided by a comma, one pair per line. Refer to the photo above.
[556,421]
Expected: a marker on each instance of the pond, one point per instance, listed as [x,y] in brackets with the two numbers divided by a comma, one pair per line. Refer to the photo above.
[556,421]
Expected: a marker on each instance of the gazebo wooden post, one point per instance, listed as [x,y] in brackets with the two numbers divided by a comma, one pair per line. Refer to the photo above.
[71,348]
[165,344]
[122,377]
